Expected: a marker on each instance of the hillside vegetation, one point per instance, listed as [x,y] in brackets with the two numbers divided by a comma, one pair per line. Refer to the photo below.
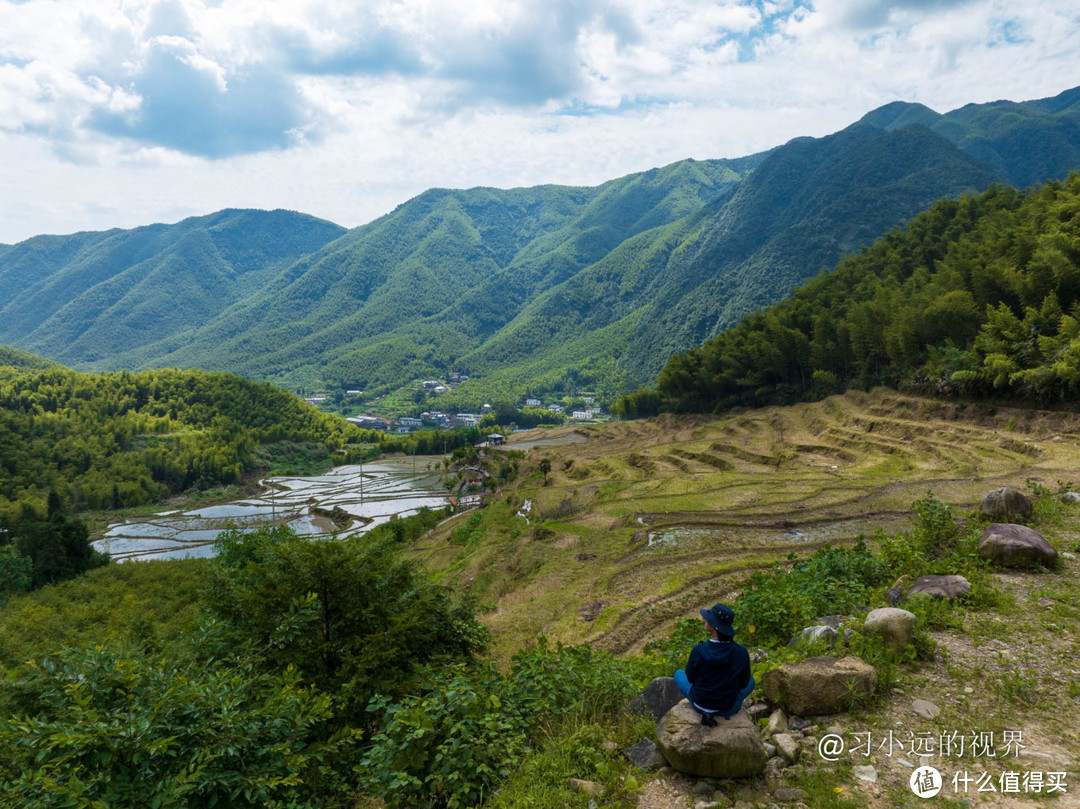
[637,522]
[122,439]
[85,298]
[334,674]
[976,297]
[546,289]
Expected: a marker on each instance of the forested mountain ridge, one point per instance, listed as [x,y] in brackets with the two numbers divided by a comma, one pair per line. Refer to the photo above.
[545,288]
[120,439]
[90,296]
[978,296]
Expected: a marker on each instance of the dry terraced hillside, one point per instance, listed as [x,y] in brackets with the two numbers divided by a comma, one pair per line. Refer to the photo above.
[642,522]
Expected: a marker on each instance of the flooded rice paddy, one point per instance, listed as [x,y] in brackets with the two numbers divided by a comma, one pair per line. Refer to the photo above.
[366,496]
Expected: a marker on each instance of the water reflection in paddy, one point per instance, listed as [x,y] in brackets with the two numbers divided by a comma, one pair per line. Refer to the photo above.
[370,494]
[733,536]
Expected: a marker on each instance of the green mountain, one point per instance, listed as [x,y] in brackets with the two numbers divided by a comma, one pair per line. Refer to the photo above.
[24,360]
[548,288]
[978,296]
[85,298]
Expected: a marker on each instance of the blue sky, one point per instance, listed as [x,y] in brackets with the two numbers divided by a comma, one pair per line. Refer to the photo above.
[121,113]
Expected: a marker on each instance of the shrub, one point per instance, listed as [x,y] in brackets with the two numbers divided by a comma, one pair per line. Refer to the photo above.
[446,747]
[379,621]
[111,730]
[775,605]
[451,745]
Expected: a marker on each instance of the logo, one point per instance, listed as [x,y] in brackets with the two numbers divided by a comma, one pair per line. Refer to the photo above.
[926,782]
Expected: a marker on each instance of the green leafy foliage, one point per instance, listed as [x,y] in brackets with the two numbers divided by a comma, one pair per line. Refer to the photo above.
[978,296]
[377,625]
[119,440]
[135,605]
[110,730]
[775,605]
[451,745]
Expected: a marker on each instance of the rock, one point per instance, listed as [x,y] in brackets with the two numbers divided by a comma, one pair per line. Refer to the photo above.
[905,763]
[656,699]
[797,723]
[1067,555]
[925,709]
[1001,505]
[707,804]
[941,586]
[732,749]
[896,627]
[894,596]
[865,772]
[777,724]
[1072,498]
[819,685]
[645,755]
[703,788]
[815,633]
[758,710]
[590,788]
[1011,545]
[775,766]
[788,747]
[834,730]
[835,621]
[770,750]
[790,794]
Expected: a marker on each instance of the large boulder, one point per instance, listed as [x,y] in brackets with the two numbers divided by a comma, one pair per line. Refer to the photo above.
[895,626]
[1011,545]
[820,685]
[656,699]
[1005,504]
[732,749]
[945,587]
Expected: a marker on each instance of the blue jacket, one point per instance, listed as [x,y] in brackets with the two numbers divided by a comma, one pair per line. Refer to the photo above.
[717,671]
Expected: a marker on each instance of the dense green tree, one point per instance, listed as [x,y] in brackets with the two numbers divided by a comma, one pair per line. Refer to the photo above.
[378,622]
[978,296]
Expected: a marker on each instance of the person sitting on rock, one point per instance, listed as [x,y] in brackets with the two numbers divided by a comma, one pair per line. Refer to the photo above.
[717,676]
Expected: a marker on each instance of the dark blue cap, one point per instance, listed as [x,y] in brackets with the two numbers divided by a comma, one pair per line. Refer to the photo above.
[720,618]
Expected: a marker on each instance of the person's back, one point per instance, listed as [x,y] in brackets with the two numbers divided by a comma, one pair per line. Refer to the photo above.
[717,677]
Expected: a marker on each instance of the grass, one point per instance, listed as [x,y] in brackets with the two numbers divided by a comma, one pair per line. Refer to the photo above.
[851,464]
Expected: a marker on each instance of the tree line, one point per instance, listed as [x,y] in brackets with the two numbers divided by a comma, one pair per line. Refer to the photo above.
[978,297]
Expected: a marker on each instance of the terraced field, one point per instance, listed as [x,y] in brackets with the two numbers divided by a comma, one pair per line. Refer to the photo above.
[647,521]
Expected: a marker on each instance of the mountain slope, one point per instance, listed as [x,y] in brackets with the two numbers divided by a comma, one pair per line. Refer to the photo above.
[82,298]
[543,288]
[1027,142]
[414,291]
[979,296]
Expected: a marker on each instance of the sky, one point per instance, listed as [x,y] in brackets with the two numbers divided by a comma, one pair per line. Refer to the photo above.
[126,112]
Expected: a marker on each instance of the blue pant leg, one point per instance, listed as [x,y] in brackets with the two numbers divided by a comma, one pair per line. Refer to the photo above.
[682,683]
[743,694]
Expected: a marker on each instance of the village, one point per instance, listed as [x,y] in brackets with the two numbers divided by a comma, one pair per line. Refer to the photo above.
[530,412]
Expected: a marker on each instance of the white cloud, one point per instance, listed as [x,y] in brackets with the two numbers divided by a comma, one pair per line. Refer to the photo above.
[133,112]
